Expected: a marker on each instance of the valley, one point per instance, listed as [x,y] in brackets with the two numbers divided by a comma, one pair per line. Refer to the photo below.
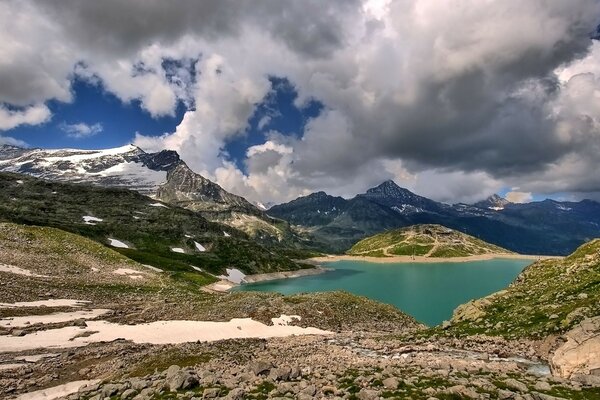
[109,292]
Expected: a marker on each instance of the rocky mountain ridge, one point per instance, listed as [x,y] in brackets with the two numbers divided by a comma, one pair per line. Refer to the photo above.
[543,227]
[162,175]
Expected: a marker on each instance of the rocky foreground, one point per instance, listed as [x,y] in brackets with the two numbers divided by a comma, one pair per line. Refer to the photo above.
[55,308]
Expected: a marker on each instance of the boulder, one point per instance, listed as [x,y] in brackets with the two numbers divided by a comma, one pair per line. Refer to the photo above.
[580,354]
[260,367]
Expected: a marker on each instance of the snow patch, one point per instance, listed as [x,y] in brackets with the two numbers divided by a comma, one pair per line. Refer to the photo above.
[179,331]
[157,205]
[117,243]
[233,275]
[46,303]
[20,182]
[19,271]
[36,357]
[152,268]
[285,320]
[199,247]
[177,250]
[196,268]
[226,234]
[57,392]
[54,318]
[132,273]
[496,208]
[88,219]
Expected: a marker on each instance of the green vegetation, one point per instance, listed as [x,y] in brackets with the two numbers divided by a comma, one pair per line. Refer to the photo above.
[150,231]
[423,240]
[549,296]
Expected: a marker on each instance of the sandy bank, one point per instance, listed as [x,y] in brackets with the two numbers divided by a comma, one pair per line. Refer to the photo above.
[421,259]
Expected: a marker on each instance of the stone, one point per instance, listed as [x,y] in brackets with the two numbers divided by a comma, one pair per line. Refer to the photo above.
[280,374]
[516,385]
[310,390]
[172,370]
[110,390]
[211,393]
[17,332]
[80,322]
[462,391]
[236,394]
[128,394]
[367,394]
[390,383]
[543,386]
[182,380]
[260,367]
[580,354]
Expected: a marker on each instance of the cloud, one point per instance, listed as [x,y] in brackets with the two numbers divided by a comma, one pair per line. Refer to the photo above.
[81,130]
[453,100]
[518,197]
[33,115]
[12,141]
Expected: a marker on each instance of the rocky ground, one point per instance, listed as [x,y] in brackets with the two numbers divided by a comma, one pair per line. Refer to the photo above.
[371,350]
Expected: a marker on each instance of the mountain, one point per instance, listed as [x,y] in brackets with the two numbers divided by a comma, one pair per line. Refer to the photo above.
[148,231]
[162,175]
[423,240]
[548,297]
[494,202]
[543,227]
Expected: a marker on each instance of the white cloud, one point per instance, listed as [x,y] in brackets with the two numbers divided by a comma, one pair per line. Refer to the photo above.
[518,197]
[81,130]
[12,141]
[454,99]
[33,115]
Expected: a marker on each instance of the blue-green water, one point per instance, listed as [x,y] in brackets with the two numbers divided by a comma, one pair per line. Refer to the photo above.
[427,291]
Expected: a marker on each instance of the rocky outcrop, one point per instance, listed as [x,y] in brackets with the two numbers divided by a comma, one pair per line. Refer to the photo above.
[190,190]
[579,356]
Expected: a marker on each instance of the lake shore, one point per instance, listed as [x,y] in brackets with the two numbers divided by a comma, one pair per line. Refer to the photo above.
[224,285]
[421,259]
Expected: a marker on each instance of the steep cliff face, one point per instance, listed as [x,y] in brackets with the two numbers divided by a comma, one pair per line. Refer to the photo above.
[190,190]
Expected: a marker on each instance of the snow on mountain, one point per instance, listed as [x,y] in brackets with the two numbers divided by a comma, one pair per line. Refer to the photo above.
[126,166]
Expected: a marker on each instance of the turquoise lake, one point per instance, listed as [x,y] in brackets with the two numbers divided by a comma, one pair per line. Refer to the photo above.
[427,291]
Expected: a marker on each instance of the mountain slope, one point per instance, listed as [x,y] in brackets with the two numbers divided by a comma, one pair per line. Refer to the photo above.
[141,228]
[545,227]
[162,175]
[423,240]
[548,297]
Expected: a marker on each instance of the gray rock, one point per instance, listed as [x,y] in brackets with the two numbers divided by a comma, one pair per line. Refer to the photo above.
[128,394]
[236,394]
[211,393]
[110,390]
[80,322]
[543,386]
[260,367]
[390,383]
[516,385]
[310,390]
[182,380]
[280,374]
[367,394]
[172,370]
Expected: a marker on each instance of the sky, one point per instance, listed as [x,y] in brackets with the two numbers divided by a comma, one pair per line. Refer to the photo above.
[274,99]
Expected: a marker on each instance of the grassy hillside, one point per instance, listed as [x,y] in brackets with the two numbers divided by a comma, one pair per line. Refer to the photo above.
[549,296]
[423,240]
[151,230]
